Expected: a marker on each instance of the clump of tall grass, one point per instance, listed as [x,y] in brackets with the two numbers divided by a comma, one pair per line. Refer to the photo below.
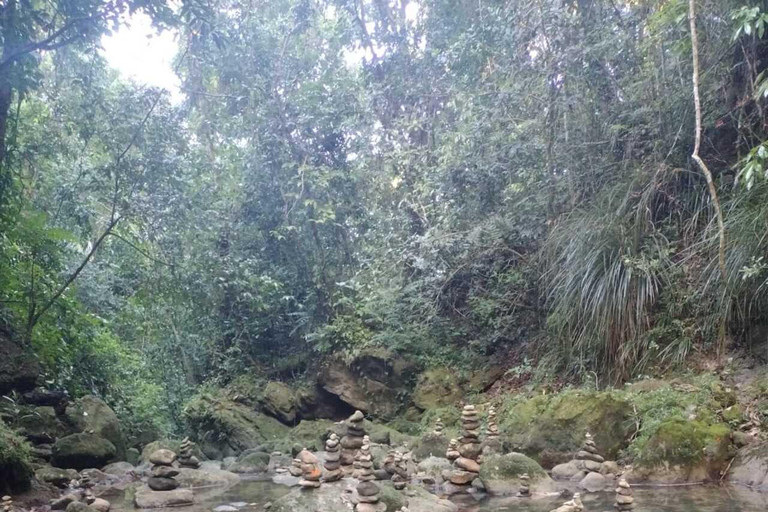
[606,268]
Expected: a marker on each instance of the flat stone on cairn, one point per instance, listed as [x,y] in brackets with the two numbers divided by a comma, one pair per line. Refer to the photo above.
[389,462]
[295,469]
[163,471]
[574,505]
[311,472]
[525,486]
[186,459]
[467,468]
[367,490]
[364,462]
[400,478]
[333,471]
[590,459]
[353,441]
[624,498]
[453,450]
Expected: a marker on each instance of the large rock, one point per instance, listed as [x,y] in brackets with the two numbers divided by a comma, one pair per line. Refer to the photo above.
[431,445]
[19,368]
[339,496]
[280,401]
[56,476]
[567,470]
[41,425]
[251,462]
[206,477]
[501,474]
[147,498]
[437,387]
[683,451]
[550,428]
[90,414]
[375,382]
[750,468]
[81,451]
[226,428]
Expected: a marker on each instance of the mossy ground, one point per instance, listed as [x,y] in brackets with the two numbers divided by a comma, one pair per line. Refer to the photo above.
[15,469]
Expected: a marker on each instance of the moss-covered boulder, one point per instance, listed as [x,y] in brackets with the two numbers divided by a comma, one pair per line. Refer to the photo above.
[501,474]
[41,425]
[437,387]
[551,428]
[280,401]
[56,476]
[82,451]
[681,451]
[15,469]
[431,445]
[251,461]
[226,428]
[92,415]
[377,382]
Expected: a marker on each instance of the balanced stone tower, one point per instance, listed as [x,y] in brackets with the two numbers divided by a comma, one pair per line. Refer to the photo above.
[163,471]
[624,498]
[439,427]
[525,486]
[467,468]
[186,458]
[311,473]
[573,505]
[453,450]
[589,458]
[333,471]
[492,431]
[400,478]
[353,441]
[7,504]
[389,462]
[295,469]
[367,490]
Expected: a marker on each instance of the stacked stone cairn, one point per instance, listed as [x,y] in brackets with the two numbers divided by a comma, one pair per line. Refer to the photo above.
[525,486]
[333,471]
[7,504]
[311,472]
[295,469]
[186,459]
[492,431]
[353,441]
[467,466]
[400,478]
[389,462]
[573,505]
[624,498]
[589,458]
[163,471]
[453,450]
[439,427]
[367,490]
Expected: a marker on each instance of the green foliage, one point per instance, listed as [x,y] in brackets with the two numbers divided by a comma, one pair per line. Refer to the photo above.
[15,468]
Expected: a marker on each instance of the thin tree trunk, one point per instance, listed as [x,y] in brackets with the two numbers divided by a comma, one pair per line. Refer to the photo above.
[704,169]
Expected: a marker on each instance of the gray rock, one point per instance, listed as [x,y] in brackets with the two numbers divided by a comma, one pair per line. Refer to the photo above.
[82,451]
[593,482]
[225,508]
[565,471]
[147,498]
[162,457]
[55,476]
[159,483]
[118,468]
[750,467]
[79,506]
[63,502]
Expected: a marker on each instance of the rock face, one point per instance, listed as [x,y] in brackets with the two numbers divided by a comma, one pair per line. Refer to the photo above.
[19,368]
[750,468]
[81,451]
[90,414]
[438,387]
[373,382]
[281,401]
[548,427]
[41,425]
[226,428]
[502,474]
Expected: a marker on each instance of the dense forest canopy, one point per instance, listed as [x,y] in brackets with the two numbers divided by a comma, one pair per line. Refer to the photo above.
[451,180]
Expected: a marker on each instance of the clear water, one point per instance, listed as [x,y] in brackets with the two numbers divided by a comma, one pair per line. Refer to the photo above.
[677,499]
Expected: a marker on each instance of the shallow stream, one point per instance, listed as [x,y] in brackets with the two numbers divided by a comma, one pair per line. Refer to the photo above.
[675,499]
